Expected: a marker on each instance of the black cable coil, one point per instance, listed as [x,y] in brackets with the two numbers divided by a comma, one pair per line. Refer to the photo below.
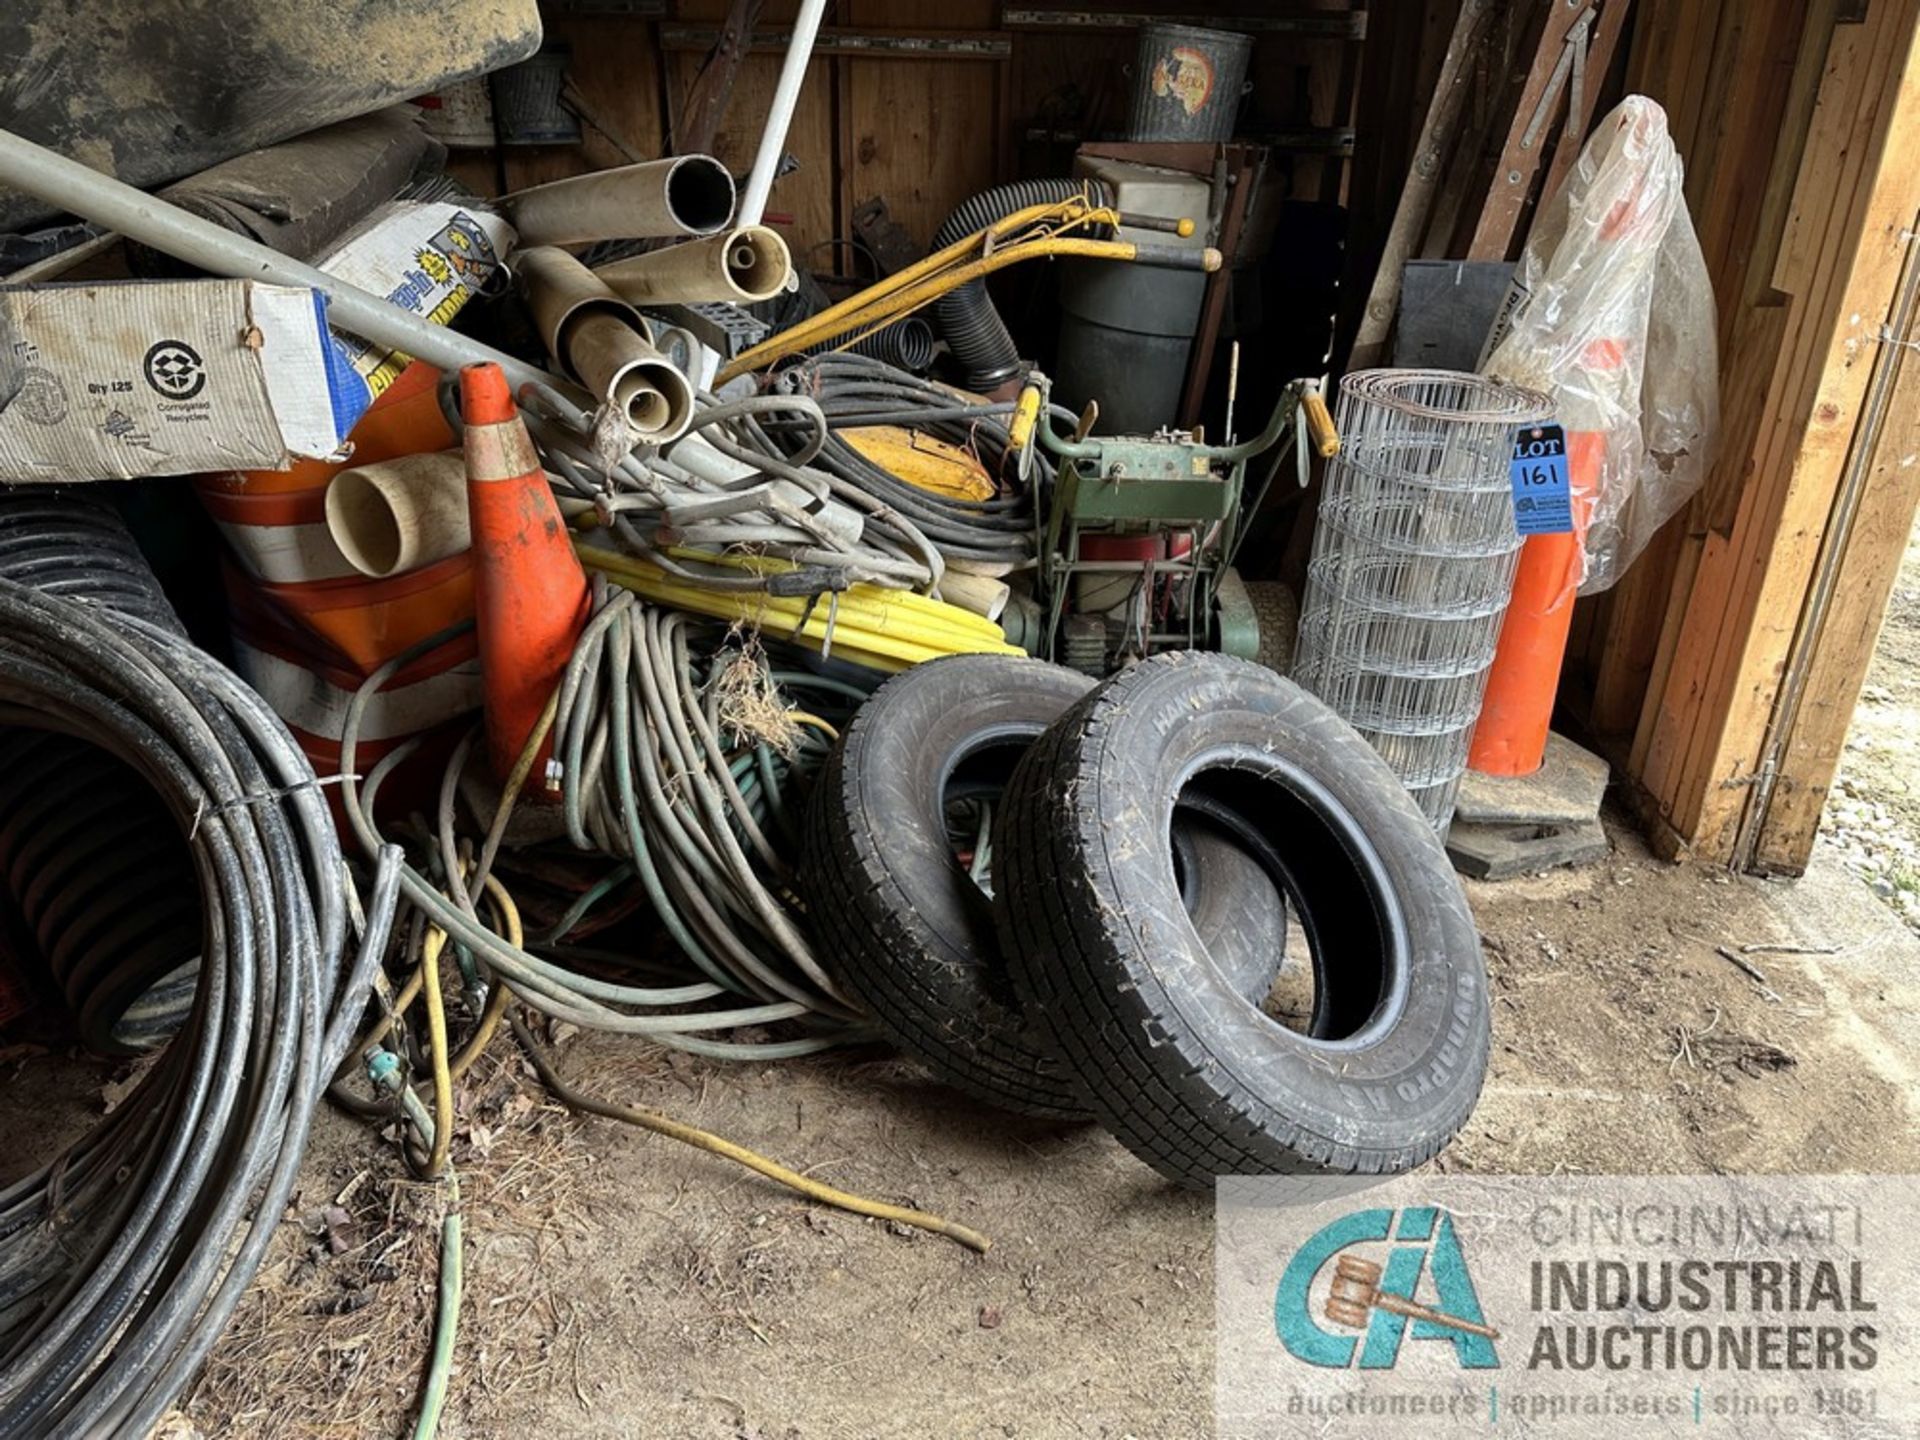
[853,390]
[89,855]
[972,327]
[122,1259]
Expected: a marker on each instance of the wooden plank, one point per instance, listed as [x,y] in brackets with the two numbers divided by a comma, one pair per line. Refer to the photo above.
[1437,137]
[1652,598]
[1753,570]
[1627,633]
[1856,188]
[1836,647]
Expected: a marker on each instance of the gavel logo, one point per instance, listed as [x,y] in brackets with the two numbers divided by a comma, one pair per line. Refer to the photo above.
[1356,1292]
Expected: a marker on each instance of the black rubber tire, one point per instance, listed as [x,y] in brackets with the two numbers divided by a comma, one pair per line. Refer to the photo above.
[1233,902]
[1277,613]
[1179,1066]
[909,935]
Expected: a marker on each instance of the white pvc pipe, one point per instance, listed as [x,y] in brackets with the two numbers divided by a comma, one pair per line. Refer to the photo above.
[786,95]
[773,137]
[75,189]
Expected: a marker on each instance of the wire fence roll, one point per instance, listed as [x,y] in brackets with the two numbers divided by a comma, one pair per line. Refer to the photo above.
[1413,564]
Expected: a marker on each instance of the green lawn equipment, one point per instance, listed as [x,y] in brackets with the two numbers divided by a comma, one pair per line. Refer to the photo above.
[1137,536]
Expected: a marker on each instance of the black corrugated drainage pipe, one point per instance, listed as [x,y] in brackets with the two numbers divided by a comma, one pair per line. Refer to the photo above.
[88,853]
[972,327]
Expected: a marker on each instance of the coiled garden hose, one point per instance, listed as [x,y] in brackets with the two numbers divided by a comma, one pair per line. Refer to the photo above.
[121,1260]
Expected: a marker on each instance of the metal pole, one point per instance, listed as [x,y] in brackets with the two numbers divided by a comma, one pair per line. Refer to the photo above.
[173,231]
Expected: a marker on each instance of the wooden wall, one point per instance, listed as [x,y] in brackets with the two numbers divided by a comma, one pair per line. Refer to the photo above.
[924,132]
[1725,667]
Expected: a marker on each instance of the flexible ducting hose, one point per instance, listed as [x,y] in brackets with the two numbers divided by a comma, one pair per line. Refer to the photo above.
[906,344]
[87,851]
[121,1260]
[973,328]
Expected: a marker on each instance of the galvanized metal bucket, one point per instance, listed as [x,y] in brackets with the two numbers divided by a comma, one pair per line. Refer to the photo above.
[1187,83]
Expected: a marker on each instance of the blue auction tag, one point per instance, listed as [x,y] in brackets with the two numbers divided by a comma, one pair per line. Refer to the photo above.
[1542,493]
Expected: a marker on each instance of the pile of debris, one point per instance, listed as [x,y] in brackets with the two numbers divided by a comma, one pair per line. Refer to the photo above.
[582,674]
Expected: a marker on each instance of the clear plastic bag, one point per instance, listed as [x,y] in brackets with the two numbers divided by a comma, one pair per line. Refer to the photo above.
[1611,313]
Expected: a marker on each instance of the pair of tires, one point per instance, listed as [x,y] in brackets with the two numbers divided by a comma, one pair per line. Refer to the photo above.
[1177,856]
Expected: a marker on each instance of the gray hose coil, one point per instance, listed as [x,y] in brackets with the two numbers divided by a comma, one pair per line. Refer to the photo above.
[122,1259]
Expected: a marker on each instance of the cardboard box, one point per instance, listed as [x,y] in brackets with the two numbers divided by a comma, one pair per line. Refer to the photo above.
[167,377]
[426,256]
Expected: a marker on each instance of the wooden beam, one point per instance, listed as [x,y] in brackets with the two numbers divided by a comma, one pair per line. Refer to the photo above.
[1866,538]
[699,120]
[1856,188]
[1437,136]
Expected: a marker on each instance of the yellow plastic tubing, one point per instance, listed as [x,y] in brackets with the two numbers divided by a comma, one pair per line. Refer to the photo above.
[884,629]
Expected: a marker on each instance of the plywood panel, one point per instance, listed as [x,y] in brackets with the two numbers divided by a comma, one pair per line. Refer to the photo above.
[921,135]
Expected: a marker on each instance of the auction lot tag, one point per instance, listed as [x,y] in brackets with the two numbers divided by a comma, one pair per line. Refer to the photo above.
[1542,494]
[1579,1308]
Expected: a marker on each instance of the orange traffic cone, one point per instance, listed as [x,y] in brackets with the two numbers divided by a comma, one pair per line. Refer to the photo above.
[530,594]
[1516,709]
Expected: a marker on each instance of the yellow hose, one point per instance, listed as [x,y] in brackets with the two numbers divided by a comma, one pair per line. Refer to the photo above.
[868,623]
[714,1145]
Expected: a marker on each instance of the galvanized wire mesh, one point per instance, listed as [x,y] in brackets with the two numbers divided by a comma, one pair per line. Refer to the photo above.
[1413,562]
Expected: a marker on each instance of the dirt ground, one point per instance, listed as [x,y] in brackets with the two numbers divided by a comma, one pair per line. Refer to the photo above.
[619,1284]
[623,1285]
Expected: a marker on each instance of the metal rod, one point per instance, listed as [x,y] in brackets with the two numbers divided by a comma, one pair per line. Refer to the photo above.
[173,231]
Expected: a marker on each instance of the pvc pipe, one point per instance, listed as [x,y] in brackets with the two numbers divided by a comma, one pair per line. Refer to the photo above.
[773,138]
[602,342]
[398,515]
[167,228]
[558,287]
[616,363]
[981,595]
[786,95]
[746,265]
[683,195]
